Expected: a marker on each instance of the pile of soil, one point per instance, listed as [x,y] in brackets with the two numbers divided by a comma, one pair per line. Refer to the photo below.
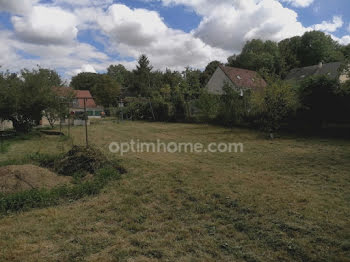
[80,159]
[25,177]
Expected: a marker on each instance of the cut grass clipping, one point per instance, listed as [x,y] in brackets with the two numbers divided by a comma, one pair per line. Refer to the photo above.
[77,163]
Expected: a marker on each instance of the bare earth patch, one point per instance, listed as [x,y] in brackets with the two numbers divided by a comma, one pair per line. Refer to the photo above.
[25,177]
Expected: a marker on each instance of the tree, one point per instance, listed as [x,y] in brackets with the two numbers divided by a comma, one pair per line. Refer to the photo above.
[346,51]
[259,55]
[208,72]
[208,104]
[173,79]
[192,86]
[119,73]
[59,105]
[106,91]
[84,81]
[142,75]
[274,105]
[23,99]
[233,107]
[289,50]
[316,46]
[318,100]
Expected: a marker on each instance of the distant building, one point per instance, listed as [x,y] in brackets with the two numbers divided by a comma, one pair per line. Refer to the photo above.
[93,110]
[331,70]
[239,79]
[76,98]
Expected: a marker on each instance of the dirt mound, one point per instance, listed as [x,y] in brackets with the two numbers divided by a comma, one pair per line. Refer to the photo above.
[80,159]
[25,177]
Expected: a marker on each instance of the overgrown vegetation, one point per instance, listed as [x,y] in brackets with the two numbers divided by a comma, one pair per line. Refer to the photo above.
[78,162]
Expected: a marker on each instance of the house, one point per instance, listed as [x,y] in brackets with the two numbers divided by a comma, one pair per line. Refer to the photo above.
[78,100]
[93,110]
[240,79]
[331,70]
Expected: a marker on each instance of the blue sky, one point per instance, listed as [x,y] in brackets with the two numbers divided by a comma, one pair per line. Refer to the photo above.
[89,35]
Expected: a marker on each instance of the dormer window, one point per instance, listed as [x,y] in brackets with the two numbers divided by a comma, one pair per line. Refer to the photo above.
[238,77]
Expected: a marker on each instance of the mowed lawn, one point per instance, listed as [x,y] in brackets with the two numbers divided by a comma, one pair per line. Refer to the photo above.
[286,199]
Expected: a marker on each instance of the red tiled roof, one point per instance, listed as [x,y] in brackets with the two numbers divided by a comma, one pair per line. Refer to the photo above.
[78,94]
[243,77]
[81,94]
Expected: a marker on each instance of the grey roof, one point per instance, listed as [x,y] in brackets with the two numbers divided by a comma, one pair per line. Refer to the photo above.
[330,69]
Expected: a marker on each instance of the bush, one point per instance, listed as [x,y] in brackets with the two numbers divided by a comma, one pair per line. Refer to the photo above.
[273,106]
[233,107]
[318,100]
[208,106]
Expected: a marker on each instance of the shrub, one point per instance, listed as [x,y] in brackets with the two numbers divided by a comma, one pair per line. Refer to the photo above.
[233,106]
[318,100]
[208,105]
[274,105]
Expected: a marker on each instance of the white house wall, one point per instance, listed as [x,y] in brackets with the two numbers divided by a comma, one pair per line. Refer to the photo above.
[217,82]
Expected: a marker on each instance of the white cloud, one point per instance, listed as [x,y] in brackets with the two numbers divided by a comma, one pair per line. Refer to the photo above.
[344,40]
[46,25]
[66,59]
[299,3]
[17,6]
[228,24]
[165,47]
[84,3]
[46,34]
[330,26]
[85,68]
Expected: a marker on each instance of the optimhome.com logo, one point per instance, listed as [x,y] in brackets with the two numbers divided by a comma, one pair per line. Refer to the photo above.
[137,146]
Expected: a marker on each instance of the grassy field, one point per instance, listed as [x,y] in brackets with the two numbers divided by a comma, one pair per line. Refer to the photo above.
[286,199]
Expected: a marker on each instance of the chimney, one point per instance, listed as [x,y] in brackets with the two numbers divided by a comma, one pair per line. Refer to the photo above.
[320,65]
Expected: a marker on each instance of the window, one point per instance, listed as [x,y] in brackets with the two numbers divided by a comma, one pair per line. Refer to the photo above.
[239,77]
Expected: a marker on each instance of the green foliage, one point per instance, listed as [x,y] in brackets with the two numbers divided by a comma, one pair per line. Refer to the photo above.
[142,77]
[208,105]
[106,91]
[85,81]
[233,105]
[23,100]
[274,105]
[163,110]
[318,99]
[289,50]
[316,46]
[278,59]
[119,74]
[346,51]
[259,55]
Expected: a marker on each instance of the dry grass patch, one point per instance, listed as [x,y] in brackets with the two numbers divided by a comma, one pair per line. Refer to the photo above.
[26,177]
[281,200]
